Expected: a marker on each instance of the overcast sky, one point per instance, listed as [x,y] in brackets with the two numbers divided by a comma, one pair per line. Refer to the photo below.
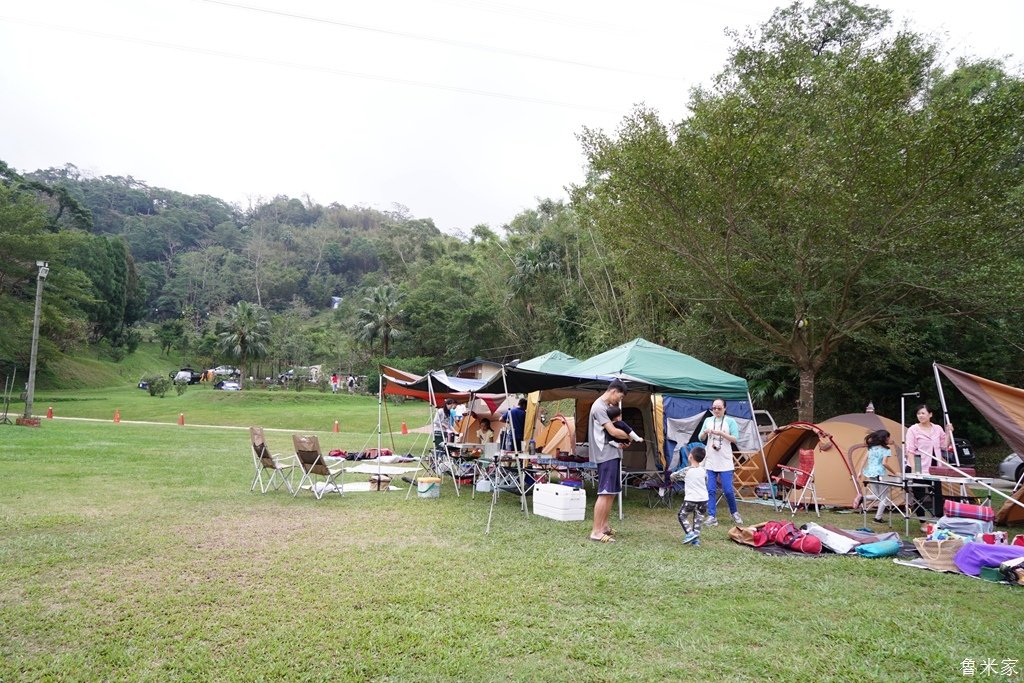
[464,111]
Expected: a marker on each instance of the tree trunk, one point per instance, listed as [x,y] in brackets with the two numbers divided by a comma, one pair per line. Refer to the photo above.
[805,407]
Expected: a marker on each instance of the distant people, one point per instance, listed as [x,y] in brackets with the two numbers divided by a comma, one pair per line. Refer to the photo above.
[927,440]
[720,432]
[516,418]
[695,493]
[351,382]
[614,412]
[484,433]
[878,443]
[335,382]
[443,423]
[606,453]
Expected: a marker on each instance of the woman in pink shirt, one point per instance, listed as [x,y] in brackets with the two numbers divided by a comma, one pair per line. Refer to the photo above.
[927,440]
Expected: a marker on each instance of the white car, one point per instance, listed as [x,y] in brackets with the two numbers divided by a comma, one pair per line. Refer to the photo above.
[1012,468]
[226,371]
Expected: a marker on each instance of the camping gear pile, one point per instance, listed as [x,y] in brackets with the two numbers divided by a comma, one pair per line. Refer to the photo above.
[963,541]
[813,539]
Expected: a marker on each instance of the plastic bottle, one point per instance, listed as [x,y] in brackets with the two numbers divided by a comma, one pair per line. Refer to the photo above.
[533,447]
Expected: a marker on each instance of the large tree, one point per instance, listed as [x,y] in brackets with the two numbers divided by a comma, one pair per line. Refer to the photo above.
[833,182]
[381,317]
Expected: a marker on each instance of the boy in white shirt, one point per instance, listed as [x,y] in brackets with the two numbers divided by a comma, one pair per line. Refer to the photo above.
[696,495]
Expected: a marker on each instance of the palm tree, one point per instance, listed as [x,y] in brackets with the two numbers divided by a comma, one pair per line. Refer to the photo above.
[245,334]
[381,317]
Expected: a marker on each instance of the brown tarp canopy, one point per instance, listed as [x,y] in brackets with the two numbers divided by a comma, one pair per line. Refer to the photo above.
[1003,407]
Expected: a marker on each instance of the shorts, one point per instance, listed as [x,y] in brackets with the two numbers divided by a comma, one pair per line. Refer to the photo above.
[609,482]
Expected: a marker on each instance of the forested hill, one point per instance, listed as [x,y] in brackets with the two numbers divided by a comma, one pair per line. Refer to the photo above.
[174,265]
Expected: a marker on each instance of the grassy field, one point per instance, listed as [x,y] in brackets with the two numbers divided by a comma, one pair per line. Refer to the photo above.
[137,552]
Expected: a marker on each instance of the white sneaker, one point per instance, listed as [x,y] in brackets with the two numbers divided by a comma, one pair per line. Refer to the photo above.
[711,521]
[736,518]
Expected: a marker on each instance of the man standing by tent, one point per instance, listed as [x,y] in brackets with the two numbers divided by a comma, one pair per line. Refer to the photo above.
[516,418]
[607,454]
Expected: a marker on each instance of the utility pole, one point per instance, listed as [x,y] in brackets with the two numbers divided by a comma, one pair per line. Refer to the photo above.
[31,386]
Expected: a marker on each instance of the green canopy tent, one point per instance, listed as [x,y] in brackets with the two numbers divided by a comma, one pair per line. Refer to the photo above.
[667,371]
[553,362]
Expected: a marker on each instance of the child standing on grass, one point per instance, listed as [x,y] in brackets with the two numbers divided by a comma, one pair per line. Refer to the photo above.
[878,443]
[696,495]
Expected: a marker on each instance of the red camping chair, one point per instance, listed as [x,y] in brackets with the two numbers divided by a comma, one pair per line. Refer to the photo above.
[798,481]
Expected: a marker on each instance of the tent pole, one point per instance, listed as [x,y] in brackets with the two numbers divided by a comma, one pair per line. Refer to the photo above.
[760,449]
[380,405]
[430,425]
[945,412]
[501,439]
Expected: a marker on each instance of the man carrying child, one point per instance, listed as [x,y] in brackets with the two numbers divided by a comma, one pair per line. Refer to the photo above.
[606,452]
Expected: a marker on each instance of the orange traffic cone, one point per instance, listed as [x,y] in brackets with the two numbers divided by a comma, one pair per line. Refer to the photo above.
[181,419]
[117,415]
[405,430]
[335,426]
[49,413]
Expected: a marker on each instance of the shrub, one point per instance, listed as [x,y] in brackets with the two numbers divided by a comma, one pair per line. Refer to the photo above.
[181,386]
[158,385]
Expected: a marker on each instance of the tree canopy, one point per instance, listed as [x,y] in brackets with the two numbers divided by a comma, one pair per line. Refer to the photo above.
[833,185]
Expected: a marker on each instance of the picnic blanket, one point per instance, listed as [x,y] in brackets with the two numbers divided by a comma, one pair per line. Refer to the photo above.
[379,469]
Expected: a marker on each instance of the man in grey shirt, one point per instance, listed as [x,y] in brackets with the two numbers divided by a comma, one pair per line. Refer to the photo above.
[607,454]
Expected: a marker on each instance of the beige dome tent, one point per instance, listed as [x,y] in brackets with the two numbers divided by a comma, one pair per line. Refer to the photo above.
[839,454]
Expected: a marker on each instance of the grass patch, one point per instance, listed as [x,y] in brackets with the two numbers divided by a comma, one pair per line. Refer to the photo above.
[132,553]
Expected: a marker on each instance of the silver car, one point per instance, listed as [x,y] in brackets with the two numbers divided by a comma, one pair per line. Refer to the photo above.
[1012,468]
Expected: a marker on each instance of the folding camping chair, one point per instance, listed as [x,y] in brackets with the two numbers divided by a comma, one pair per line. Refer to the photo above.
[281,466]
[800,479]
[314,463]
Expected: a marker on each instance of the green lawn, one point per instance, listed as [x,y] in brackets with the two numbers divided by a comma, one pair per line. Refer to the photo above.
[307,410]
[136,552]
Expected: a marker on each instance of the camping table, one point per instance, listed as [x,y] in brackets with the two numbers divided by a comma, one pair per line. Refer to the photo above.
[624,477]
[459,454]
[587,470]
[935,482]
[894,482]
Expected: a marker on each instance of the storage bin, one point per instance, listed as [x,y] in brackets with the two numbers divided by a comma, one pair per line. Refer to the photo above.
[559,502]
[428,487]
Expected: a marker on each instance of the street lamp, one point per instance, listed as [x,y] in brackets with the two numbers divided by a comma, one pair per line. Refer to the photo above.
[44,270]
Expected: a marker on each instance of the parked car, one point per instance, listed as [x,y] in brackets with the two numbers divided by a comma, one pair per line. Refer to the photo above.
[765,423]
[226,371]
[187,375]
[311,373]
[1012,468]
[228,385]
[143,384]
[964,451]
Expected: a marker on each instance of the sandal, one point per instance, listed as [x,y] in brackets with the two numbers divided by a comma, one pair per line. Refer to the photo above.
[610,531]
[604,539]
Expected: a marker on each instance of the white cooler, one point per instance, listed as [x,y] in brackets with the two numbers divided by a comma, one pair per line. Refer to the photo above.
[563,503]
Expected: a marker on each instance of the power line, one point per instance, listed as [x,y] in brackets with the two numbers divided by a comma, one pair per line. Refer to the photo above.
[433,39]
[538,15]
[309,67]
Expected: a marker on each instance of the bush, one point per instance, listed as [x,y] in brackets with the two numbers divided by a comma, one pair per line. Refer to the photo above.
[181,386]
[324,383]
[158,385]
